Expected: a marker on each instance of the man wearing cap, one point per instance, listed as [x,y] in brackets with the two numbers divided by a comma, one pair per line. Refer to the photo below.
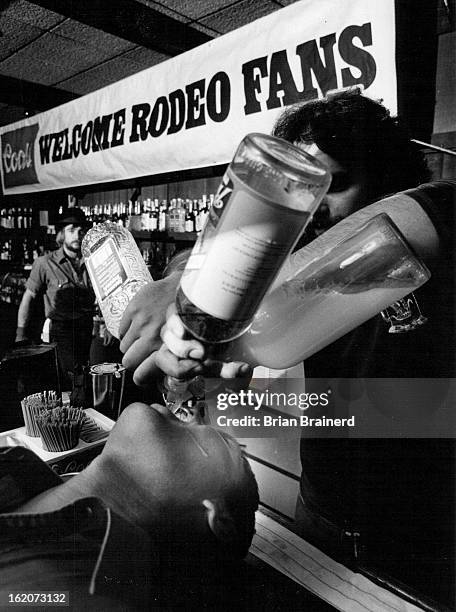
[62,279]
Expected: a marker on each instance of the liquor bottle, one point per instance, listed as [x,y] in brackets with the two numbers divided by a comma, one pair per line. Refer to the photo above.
[162,217]
[172,216]
[203,213]
[180,217]
[189,218]
[122,215]
[27,219]
[116,268]
[145,216]
[115,213]
[336,286]
[130,210]
[195,214]
[153,217]
[262,206]
[9,219]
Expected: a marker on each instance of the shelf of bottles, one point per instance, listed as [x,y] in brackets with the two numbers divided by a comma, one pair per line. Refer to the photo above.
[160,227]
[20,242]
[16,218]
[170,219]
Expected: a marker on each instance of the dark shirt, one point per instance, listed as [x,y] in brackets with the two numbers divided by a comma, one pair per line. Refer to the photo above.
[100,560]
[398,492]
[65,287]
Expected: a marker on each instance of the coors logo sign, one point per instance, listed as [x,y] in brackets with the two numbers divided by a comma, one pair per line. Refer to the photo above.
[18,162]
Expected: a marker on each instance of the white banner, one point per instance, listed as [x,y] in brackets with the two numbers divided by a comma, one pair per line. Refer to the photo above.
[191,111]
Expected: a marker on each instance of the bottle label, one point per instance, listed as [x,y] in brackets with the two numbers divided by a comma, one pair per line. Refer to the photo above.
[106,268]
[227,277]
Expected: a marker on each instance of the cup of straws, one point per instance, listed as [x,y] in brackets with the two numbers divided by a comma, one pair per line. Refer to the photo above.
[60,428]
[33,405]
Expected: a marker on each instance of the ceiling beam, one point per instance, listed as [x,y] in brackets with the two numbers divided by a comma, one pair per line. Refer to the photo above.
[32,96]
[131,21]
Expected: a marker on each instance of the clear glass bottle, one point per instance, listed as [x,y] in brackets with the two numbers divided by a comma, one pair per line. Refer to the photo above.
[261,208]
[116,268]
[336,286]
[189,219]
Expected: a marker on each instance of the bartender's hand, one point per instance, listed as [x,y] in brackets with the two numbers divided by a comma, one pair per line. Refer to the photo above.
[143,319]
[182,356]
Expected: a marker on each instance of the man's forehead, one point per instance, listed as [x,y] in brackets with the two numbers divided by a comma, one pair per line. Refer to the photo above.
[332,164]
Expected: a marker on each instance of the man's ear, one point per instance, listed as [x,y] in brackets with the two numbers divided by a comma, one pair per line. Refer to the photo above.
[219,520]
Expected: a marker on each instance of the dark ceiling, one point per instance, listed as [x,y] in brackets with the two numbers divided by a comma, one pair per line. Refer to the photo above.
[52,51]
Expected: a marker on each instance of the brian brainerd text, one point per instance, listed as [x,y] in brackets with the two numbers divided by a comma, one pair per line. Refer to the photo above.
[266,420]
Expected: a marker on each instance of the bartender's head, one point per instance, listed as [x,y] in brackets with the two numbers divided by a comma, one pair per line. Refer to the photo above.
[190,484]
[368,152]
[71,227]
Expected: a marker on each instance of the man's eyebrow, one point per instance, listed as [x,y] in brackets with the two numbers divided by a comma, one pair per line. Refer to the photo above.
[225,440]
[229,439]
[203,451]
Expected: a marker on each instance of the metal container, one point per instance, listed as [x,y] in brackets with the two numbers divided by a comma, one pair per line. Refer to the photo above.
[108,381]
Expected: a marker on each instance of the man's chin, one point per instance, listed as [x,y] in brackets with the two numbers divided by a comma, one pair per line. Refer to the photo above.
[74,247]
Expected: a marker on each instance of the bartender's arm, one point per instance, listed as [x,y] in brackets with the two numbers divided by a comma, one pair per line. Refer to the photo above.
[24,315]
[35,284]
[406,212]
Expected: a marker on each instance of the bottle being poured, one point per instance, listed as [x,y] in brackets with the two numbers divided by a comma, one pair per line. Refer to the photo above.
[116,269]
[265,200]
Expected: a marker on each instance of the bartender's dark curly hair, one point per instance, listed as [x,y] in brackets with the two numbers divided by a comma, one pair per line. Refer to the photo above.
[361,135]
